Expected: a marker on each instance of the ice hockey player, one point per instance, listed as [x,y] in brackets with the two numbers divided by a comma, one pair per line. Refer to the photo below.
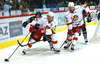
[34,20]
[75,24]
[84,31]
[48,28]
[98,12]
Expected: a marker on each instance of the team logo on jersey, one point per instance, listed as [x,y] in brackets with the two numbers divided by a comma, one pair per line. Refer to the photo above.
[36,36]
[75,18]
[93,15]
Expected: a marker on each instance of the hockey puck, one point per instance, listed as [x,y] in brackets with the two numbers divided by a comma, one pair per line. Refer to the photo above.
[6,60]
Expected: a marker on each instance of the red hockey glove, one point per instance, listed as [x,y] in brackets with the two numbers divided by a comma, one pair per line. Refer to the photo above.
[31,28]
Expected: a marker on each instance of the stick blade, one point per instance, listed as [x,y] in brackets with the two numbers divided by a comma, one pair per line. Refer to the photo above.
[6,60]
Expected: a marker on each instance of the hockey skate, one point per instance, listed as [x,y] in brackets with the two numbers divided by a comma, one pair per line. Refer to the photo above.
[51,46]
[56,50]
[24,52]
[72,47]
[67,46]
[86,41]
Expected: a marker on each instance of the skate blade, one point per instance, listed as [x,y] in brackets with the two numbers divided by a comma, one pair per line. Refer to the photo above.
[71,50]
[66,48]
[51,49]
[86,43]
[56,52]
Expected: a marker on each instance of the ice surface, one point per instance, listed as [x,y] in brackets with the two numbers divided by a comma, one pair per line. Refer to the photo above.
[41,54]
[96,37]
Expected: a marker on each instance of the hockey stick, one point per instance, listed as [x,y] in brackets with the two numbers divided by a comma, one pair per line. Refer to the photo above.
[33,43]
[30,43]
[27,44]
[62,45]
[7,60]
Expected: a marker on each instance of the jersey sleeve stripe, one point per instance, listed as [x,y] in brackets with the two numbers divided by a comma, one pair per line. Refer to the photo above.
[70,23]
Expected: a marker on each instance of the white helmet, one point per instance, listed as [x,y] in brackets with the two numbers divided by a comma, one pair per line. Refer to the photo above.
[71,4]
[51,14]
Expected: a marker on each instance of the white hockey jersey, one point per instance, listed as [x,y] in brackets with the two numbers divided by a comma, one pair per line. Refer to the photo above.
[76,18]
[37,19]
[44,23]
[50,26]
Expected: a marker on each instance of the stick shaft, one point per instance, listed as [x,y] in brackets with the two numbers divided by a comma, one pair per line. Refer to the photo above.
[18,46]
[62,45]
[30,43]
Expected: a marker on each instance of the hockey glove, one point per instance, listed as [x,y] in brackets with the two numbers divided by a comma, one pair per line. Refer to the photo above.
[25,24]
[45,38]
[31,28]
[34,28]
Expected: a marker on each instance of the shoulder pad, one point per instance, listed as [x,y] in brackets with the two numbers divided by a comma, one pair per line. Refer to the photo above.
[67,13]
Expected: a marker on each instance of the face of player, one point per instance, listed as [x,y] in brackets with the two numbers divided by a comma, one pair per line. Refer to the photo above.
[50,18]
[71,9]
[37,16]
[99,5]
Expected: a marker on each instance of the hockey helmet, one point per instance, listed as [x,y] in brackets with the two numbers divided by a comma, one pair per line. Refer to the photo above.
[71,4]
[50,14]
[38,14]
